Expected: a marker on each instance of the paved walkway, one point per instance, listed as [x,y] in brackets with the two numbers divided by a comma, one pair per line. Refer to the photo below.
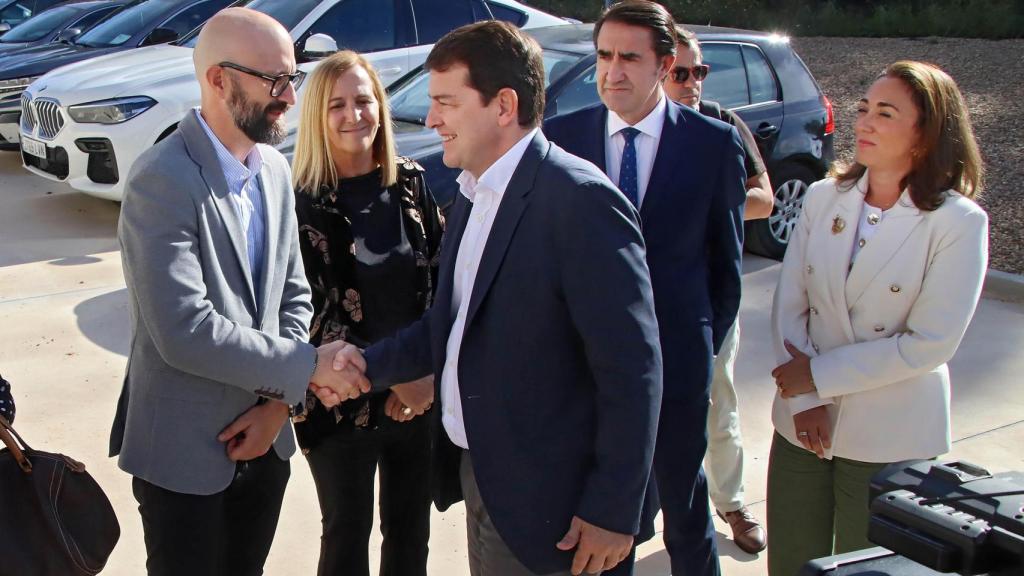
[64,338]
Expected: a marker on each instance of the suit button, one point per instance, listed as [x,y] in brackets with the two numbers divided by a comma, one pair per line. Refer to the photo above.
[814,310]
[879,328]
[895,288]
[810,269]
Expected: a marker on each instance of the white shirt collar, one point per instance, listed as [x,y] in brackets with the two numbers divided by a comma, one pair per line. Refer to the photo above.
[651,125]
[235,173]
[497,176]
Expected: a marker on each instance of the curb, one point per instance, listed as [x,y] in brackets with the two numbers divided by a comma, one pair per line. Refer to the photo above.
[1003,286]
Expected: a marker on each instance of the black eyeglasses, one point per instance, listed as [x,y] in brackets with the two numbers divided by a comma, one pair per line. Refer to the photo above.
[278,83]
[680,74]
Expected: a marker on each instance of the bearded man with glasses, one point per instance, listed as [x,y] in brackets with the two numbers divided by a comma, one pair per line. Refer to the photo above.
[220,311]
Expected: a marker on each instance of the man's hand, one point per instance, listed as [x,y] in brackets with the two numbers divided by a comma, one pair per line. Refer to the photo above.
[339,374]
[411,399]
[597,549]
[814,429]
[253,433]
[794,377]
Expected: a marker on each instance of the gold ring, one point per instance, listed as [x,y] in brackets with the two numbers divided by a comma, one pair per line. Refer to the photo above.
[406,410]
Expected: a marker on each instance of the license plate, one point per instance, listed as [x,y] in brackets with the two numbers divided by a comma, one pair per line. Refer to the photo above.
[33,147]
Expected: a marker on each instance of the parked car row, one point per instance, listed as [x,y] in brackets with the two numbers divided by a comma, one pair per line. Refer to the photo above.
[86,103]
[87,122]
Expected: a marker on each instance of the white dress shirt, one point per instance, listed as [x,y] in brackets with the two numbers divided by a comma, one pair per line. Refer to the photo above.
[485,195]
[246,197]
[646,143]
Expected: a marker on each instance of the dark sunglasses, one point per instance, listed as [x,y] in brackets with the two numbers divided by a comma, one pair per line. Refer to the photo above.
[680,74]
[278,83]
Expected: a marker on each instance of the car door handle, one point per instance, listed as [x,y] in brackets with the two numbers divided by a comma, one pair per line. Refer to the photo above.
[392,70]
[766,130]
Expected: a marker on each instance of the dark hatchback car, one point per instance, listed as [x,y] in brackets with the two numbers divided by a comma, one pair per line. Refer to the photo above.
[62,23]
[141,23]
[756,74]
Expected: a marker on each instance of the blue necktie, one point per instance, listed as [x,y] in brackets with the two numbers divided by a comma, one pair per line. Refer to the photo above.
[627,170]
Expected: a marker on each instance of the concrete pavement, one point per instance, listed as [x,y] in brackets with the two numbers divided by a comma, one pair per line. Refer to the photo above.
[64,337]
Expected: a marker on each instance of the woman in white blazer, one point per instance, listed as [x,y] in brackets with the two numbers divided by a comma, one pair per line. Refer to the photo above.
[882,275]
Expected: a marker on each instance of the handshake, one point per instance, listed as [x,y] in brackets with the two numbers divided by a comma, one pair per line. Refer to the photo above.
[341,375]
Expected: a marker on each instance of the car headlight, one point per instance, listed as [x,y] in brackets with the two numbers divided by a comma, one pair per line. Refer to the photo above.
[113,111]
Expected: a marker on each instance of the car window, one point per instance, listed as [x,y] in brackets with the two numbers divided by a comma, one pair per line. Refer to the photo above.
[190,18]
[360,25]
[760,78]
[288,12]
[727,82]
[120,27]
[411,102]
[16,13]
[502,12]
[40,25]
[578,94]
[435,18]
[90,20]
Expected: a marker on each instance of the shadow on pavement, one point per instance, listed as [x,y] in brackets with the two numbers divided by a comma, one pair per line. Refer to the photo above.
[104,321]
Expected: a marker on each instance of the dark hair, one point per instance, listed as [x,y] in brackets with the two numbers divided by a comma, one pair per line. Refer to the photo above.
[644,14]
[498,55]
[946,156]
[684,36]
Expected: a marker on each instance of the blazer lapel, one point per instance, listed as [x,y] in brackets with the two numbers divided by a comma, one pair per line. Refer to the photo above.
[201,150]
[670,146]
[271,225]
[506,220]
[838,241]
[897,224]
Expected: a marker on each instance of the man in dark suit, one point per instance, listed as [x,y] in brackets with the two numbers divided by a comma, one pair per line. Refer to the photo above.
[542,336]
[685,172]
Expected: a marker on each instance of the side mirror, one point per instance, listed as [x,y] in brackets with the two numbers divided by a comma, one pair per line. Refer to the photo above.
[68,34]
[319,46]
[160,36]
[4,27]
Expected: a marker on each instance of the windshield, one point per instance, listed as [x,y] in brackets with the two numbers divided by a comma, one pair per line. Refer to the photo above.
[120,27]
[411,102]
[288,12]
[39,26]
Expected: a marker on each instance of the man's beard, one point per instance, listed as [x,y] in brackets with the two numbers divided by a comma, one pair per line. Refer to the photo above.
[252,120]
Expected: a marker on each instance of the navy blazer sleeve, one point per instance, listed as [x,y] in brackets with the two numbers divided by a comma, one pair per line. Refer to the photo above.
[609,296]
[725,238]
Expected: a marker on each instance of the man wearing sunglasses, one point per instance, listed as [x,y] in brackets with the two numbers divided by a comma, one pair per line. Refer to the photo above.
[684,172]
[724,460]
[220,311]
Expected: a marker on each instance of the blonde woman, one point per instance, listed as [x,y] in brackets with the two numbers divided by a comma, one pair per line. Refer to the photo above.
[879,283]
[370,234]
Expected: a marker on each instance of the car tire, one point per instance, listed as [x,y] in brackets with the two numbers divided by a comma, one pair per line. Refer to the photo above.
[770,236]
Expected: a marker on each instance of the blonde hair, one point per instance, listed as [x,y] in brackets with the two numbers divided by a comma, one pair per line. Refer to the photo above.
[313,166]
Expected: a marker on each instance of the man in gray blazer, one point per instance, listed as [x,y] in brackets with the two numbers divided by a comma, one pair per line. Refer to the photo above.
[220,311]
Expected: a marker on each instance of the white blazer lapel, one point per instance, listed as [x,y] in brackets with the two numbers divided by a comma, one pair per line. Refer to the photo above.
[894,229]
[841,232]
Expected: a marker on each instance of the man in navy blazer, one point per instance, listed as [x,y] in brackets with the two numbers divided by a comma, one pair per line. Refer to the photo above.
[686,174]
[542,337]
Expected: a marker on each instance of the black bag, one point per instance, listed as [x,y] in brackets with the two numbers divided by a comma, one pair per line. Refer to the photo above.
[54,519]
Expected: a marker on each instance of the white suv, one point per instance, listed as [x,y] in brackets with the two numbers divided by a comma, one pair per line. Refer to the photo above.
[87,123]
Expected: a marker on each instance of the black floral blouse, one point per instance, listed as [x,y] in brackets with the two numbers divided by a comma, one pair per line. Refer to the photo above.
[6,401]
[371,257]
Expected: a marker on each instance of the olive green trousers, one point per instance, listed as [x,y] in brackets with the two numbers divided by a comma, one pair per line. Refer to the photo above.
[816,507]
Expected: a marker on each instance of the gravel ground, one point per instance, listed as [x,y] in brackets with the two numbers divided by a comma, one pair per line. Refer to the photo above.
[991,75]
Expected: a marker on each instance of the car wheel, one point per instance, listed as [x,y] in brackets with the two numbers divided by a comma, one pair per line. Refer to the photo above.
[770,236]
